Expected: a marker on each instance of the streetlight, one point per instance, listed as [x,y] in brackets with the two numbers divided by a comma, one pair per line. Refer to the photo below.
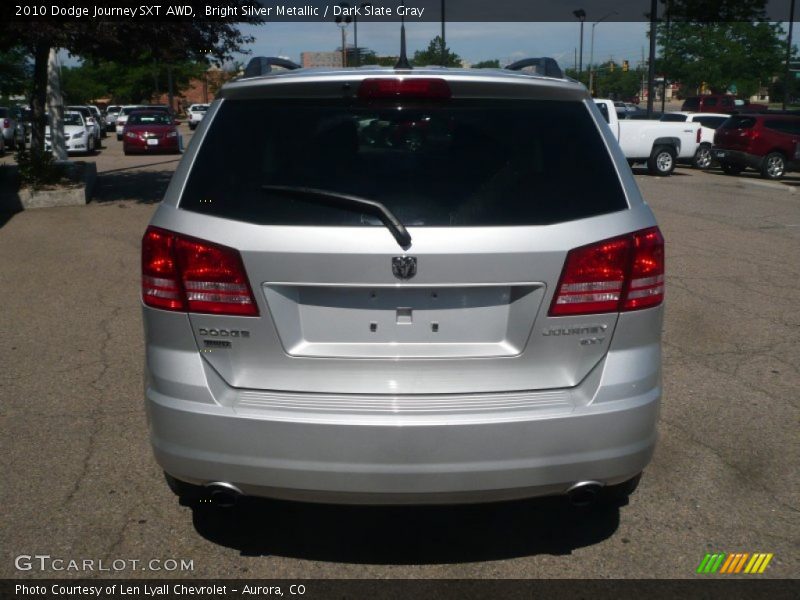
[355,31]
[342,23]
[591,51]
[580,14]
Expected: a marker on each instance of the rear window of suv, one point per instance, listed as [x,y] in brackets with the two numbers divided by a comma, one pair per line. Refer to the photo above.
[458,163]
[738,123]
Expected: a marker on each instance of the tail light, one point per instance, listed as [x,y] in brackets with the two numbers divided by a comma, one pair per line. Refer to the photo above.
[387,89]
[6,123]
[185,274]
[619,274]
[699,134]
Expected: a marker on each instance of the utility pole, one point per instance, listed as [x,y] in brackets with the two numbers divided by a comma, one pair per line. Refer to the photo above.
[342,23]
[651,72]
[444,40]
[642,66]
[580,14]
[788,56]
[663,71]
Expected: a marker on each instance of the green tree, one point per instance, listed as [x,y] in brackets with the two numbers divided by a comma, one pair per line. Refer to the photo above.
[165,42]
[432,55]
[615,83]
[487,64]
[15,72]
[722,44]
[126,83]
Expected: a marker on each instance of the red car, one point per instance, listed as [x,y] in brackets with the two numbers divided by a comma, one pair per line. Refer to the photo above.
[720,103]
[768,143]
[149,132]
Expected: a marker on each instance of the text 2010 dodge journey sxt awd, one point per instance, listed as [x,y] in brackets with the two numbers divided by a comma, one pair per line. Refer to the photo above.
[403,286]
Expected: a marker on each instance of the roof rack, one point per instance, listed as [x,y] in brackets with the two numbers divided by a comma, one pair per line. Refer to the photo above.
[543,65]
[262,65]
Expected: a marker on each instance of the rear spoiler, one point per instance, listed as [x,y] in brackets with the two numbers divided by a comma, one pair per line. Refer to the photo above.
[262,65]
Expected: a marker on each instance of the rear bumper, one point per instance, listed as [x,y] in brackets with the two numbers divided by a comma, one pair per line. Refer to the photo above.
[737,157]
[312,448]
[164,145]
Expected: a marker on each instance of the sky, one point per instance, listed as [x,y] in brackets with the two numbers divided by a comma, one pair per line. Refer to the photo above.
[472,41]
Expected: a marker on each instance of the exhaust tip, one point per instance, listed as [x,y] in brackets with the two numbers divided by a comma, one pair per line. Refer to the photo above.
[584,493]
[223,494]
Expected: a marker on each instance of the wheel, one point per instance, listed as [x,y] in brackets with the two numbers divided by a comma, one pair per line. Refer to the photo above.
[119,137]
[191,126]
[661,161]
[702,158]
[619,493]
[731,169]
[773,166]
[90,147]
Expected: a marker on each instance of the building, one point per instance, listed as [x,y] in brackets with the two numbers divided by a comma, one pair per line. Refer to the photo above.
[199,91]
[321,59]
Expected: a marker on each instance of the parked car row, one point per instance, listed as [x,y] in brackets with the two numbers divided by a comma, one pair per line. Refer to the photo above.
[753,137]
[141,128]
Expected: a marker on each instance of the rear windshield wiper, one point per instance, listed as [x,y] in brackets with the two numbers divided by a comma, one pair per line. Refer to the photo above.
[348,201]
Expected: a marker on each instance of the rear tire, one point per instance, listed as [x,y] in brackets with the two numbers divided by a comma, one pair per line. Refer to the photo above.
[703,157]
[661,161]
[773,166]
[731,169]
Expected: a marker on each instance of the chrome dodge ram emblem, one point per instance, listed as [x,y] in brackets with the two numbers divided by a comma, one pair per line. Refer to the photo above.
[404,267]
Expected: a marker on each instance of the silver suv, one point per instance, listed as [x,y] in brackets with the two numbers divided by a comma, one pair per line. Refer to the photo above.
[403,286]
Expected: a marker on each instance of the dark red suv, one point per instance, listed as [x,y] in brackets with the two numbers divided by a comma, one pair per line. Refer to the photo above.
[720,103]
[768,143]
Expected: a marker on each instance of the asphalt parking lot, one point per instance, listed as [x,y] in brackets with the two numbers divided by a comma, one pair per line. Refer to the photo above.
[80,481]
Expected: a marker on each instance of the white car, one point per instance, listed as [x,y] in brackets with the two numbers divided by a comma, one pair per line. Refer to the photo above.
[77,134]
[658,144]
[122,117]
[112,111]
[708,126]
[98,117]
[624,108]
[91,122]
[196,114]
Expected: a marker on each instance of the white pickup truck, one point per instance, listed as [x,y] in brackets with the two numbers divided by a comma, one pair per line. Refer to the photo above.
[658,144]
